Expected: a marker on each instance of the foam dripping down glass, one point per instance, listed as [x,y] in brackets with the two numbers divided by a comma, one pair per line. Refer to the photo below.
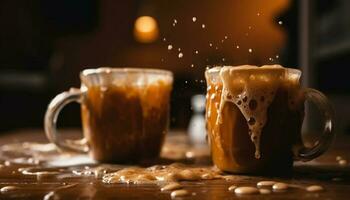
[254,117]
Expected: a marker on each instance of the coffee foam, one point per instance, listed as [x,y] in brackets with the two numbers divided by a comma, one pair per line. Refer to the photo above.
[252,89]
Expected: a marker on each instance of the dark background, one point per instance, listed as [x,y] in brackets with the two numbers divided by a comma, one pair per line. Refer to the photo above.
[44,44]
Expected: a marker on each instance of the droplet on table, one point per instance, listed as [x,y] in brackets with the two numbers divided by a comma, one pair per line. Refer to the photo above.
[314,188]
[51,196]
[265,183]
[246,190]
[280,186]
[9,188]
[338,158]
[179,193]
[171,186]
[342,162]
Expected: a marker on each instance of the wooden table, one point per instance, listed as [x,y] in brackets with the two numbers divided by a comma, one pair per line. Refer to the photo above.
[323,171]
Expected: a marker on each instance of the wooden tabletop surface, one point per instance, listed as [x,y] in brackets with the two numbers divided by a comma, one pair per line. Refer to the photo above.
[325,171]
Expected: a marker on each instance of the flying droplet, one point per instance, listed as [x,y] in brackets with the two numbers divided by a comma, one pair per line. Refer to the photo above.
[186,82]
[210,44]
[196,52]
[179,49]
[280,22]
[203,25]
[270,59]
[180,55]
[237,46]
[164,39]
[249,27]
[223,59]
[258,14]
[175,21]
[277,56]
[192,65]
[170,47]
[216,48]
[194,19]
[226,37]
[250,50]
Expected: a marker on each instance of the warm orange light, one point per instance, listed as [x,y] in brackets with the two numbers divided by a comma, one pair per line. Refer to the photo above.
[146,29]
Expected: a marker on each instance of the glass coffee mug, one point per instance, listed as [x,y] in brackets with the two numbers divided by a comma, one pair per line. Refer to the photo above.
[254,117]
[125,113]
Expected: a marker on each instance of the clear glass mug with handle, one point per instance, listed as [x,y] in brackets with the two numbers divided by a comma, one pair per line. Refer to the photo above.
[125,113]
[254,117]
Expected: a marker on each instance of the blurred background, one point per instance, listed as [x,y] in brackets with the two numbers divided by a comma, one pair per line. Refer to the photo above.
[45,44]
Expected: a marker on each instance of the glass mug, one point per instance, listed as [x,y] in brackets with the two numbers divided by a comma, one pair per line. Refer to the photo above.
[254,117]
[125,113]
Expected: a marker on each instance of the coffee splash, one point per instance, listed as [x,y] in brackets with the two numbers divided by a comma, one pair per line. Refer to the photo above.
[252,89]
[162,174]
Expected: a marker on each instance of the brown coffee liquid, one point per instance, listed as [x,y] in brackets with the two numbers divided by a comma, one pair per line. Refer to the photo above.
[254,117]
[125,123]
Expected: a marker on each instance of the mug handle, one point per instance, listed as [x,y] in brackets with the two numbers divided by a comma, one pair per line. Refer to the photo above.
[322,103]
[50,121]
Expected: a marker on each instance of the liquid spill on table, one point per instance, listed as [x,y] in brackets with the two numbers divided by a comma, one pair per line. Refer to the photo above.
[39,171]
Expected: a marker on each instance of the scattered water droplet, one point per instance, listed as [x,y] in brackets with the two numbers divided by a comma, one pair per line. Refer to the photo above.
[164,39]
[196,52]
[258,14]
[186,82]
[170,47]
[277,56]
[216,48]
[225,37]
[162,59]
[223,59]
[210,44]
[192,65]
[203,25]
[250,50]
[246,34]
[237,46]
[194,19]
[179,49]
[249,27]
[280,22]
[270,59]
[180,55]
[175,21]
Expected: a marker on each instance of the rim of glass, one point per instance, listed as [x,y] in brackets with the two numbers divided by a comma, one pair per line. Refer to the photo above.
[108,70]
[216,69]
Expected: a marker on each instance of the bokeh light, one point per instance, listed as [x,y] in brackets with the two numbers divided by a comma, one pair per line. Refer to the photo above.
[146,29]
